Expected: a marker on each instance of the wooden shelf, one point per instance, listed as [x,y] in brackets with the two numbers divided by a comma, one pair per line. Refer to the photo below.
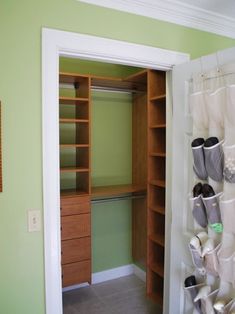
[159,154]
[158,126]
[74,169]
[140,77]
[157,268]
[158,209]
[72,78]
[158,97]
[73,145]
[160,183]
[115,190]
[158,238]
[72,100]
[65,120]
[72,192]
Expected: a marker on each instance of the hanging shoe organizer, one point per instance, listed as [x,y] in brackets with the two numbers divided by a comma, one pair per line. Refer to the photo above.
[210,288]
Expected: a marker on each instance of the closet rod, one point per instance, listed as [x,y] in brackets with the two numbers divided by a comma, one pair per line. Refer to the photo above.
[104,89]
[117,198]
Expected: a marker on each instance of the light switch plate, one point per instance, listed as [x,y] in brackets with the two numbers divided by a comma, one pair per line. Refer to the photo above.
[34,220]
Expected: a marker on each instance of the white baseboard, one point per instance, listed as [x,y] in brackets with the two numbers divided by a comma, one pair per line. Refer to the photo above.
[140,273]
[110,274]
[113,273]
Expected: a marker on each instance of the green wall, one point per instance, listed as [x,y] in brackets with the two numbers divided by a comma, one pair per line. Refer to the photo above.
[22,266]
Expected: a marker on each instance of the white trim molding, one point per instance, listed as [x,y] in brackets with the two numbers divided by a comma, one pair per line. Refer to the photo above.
[174,12]
[57,43]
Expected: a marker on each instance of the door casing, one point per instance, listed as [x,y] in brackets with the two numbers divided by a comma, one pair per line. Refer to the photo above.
[57,43]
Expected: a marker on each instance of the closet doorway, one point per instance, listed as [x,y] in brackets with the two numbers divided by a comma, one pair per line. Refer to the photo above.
[90,48]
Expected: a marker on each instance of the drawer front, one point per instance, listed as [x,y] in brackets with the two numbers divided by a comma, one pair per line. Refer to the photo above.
[74,205]
[76,273]
[75,250]
[75,226]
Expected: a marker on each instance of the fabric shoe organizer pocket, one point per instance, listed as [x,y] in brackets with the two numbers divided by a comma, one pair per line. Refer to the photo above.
[230,307]
[197,259]
[215,110]
[199,162]
[230,105]
[229,163]
[197,103]
[213,212]
[227,208]
[226,258]
[207,303]
[211,261]
[214,161]
[192,291]
[198,211]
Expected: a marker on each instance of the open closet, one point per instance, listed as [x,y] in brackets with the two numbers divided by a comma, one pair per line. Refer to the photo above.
[138,187]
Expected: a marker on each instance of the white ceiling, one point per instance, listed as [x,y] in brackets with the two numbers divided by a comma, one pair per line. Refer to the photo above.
[223,7]
[215,16]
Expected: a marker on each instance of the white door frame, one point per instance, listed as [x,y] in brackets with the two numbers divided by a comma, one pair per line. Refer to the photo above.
[59,43]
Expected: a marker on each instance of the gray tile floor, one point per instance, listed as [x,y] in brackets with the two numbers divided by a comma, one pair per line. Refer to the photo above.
[125,295]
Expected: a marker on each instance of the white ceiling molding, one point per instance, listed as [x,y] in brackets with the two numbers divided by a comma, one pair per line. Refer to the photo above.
[174,12]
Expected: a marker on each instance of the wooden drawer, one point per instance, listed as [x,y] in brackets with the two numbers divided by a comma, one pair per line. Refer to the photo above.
[74,205]
[75,226]
[75,250]
[76,273]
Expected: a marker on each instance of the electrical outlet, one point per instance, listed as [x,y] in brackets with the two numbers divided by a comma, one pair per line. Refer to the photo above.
[34,220]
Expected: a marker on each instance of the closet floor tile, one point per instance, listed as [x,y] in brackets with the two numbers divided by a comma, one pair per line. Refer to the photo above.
[125,295]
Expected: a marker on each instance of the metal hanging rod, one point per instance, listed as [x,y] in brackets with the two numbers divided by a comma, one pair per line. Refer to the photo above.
[104,89]
[117,198]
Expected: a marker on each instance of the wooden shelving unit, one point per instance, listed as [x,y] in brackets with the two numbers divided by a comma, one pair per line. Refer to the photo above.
[75,180]
[156,185]
[148,175]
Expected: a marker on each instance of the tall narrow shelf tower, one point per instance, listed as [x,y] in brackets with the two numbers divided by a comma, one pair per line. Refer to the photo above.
[156,184]
[75,179]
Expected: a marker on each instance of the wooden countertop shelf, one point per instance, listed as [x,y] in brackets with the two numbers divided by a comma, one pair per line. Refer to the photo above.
[73,192]
[158,238]
[116,190]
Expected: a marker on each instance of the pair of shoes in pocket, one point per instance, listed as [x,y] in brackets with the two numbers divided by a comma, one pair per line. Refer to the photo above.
[208,158]
[205,207]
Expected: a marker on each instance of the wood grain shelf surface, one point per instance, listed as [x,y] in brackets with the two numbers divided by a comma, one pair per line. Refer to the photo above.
[158,238]
[158,126]
[158,154]
[73,192]
[160,183]
[73,145]
[71,78]
[115,190]
[74,169]
[65,120]
[158,97]
[157,268]
[140,77]
[72,100]
[158,209]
